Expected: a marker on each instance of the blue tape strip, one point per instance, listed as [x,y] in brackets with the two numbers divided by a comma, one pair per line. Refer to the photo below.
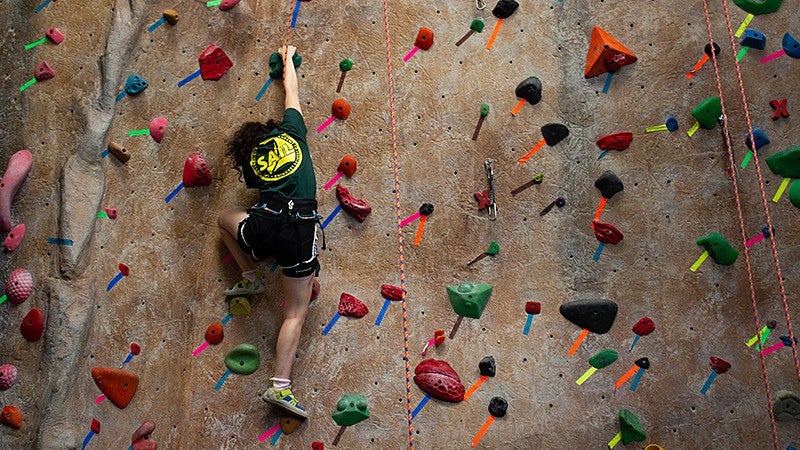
[710,380]
[421,404]
[59,241]
[383,311]
[608,82]
[295,13]
[222,380]
[331,216]
[331,323]
[174,193]
[600,248]
[276,436]
[114,281]
[528,323]
[633,344]
[41,7]
[87,439]
[105,153]
[128,359]
[263,89]
[227,319]
[602,154]
[189,78]
[637,378]
[121,95]
[157,24]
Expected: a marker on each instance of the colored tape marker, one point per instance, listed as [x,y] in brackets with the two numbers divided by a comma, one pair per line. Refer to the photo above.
[385,306]
[410,53]
[528,322]
[331,216]
[42,5]
[227,318]
[189,78]
[743,26]
[699,261]
[155,25]
[35,43]
[222,380]
[295,13]
[263,89]
[27,84]
[140,132]
[325,124]
[59,241]
[200,348]
[331,323]
[332,181]
[709,380]
[608,82]
[410,219]
[173,193]
[781,190]
[272,430]
[421,405]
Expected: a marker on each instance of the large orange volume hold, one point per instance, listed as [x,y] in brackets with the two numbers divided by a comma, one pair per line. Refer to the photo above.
[606,54]
[117,384]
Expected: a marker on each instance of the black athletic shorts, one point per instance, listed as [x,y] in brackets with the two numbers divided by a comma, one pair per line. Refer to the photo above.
[287,234]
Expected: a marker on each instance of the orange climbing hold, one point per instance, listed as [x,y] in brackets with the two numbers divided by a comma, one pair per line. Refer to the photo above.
[606,54]
[118,385]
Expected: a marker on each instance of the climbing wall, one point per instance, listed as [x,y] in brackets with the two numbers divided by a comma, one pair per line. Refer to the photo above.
[677,188]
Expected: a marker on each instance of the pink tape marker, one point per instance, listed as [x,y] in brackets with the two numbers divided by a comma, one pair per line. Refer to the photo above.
[773,348]
[410,54]
[99,399]
[325,124]
[775,55]
[200,348]
[423,41]
[333,180]
[269,433]
[410,219]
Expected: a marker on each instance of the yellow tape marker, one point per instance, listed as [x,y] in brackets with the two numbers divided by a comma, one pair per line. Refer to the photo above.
[781,189]
[699,261]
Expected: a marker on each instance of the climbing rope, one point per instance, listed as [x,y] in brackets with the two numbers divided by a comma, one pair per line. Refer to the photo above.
[764,202]
[396,167]
[732,171]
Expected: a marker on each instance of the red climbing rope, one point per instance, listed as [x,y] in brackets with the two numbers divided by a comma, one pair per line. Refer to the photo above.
[764,202]
[732,171]
[396,167]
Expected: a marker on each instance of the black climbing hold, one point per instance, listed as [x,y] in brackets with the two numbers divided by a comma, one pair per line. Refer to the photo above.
[487,366]
[505,8]
[707,49]
[498,406]
[560,202]
[609,184]
[644,363]
[553,133]
[771,324]
[530,89]
[596,316]
[786,341]
[786,406]
[426,209]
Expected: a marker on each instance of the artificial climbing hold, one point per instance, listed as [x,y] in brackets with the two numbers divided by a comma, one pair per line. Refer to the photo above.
[794,194]
[14,237]
[195,171]
[340,109]
[468,299]
[604,358]
[533,307]
[630,427]
[530,89]
[19,286]
[119,152]
[553,133]
[348,165]
[135,84]
[228,4]
[8,376]
[760,136]
[345,65]
[753,39]
[786,164]
[32,326]
[758,7]
[615,141]
[436,378]
[790,46]
[214,333]
[505,8]
[719,365]
[719,249]
[609,184]
[390,292]
[606,233]
[487,366]
[708,112]
[596,316]
[17,169]
[142,438]
[426,209]
[786,405]
[477,25]
[118,385]
[276,64]
[11,416]
[243,359]
[171,16]
[350,410]
[644,326]
[642,363]
[424,39]
[356,207]
[350,306]
[44,72]
[54,35]
[239,305]
[606,54]
[158,127]
[289,424]
[213,63]
[498,406]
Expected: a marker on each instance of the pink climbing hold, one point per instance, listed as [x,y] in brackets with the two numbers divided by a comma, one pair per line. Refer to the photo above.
[15,237]
[16,171]
[214,63]
[8,376]
[55,35]
[44,71]
[228,4]
[32,326]
[142,438]
[19,286]
[158,127]
[195,171]
[112,213]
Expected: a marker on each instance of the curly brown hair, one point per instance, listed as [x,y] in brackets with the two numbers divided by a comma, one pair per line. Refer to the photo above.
[247,137]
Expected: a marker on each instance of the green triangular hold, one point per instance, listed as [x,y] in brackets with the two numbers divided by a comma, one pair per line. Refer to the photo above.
[707,112]
[239,305]
[350,409]
[630,427]
[469,300]
[786,164]
[494,248]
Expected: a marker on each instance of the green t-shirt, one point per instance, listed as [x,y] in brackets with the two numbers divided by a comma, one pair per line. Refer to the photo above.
[281,163]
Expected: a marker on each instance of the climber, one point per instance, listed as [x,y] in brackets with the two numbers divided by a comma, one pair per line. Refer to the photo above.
[274,158]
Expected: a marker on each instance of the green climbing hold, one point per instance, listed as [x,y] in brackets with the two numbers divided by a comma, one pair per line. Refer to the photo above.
[707,112]
[757,8]
[351,409]
[494,248]
[476,25]
[786,163]
[346,65]
[243,359]
[630,427]
[605,358]
[239,305]
[484,110]
[469,300]
[794,193]
[719,249]
[538,178]
[276,64]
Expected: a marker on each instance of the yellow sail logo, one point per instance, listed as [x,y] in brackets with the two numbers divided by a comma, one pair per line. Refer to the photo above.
[276,158]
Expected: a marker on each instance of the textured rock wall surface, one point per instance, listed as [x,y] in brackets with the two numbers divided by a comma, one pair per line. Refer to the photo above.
[676,189]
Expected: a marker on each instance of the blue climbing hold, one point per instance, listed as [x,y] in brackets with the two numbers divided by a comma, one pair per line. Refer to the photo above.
[791,46]
[672,123]
[135,84]
[753,39]
[760,137]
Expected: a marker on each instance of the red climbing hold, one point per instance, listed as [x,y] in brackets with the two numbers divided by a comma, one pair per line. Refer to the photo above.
[16,172]
[719,365]
[780,110]
[11,416]
[15,237]
[158,127]
[135,348]
[424,38]
[350,306]
[348,165]
[215,333]
[436,378]
[118,385]
[616,141]
[214,63]
[195,171]
[341,110]
[44,72]
[142,438]
[606,233]
[533,307]
[32,326]
[390,292]
[95,426]
[124,270]
[356,207]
